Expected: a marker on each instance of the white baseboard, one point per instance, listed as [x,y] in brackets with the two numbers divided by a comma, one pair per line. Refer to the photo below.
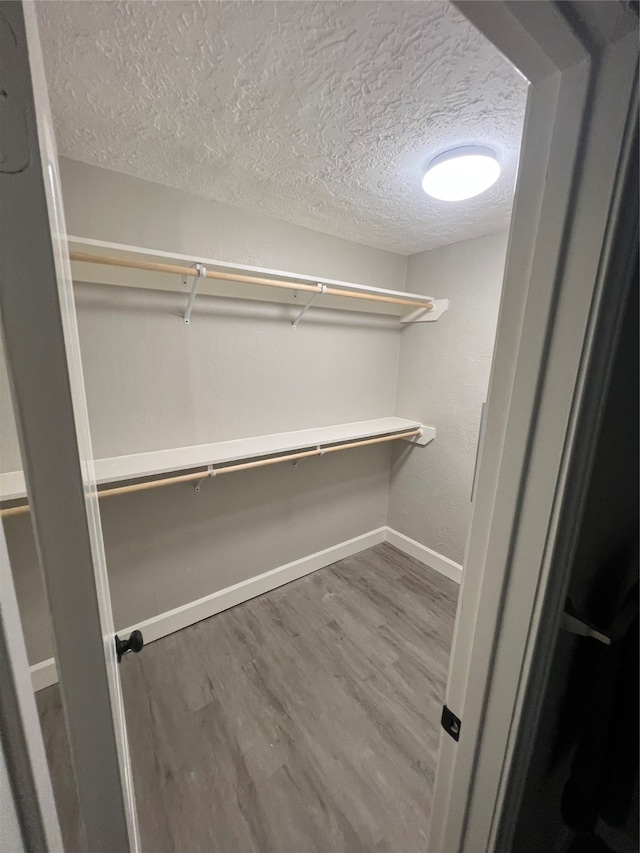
[425,555]
[173,620]
[44,674]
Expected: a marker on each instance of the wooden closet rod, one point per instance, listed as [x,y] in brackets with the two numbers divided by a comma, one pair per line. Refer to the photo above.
[242,466]
[246,279]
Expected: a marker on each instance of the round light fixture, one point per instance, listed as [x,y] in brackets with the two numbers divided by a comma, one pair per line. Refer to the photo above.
[461,173]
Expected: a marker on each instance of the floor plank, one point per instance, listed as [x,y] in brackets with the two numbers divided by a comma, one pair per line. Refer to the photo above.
[302,721]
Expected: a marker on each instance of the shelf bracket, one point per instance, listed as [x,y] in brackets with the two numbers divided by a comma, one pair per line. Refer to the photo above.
[423,315]
[424,437]
[210,473]
[200,271]
[322,289]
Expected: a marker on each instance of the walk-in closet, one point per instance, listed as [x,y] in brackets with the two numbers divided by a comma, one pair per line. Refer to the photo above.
[286,315]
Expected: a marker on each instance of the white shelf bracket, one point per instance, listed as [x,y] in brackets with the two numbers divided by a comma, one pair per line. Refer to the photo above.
[424,437]
[423,315]
[200,271]
[210,473]
[322,288]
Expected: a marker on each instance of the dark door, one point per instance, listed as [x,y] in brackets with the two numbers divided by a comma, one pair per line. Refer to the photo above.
[581,792]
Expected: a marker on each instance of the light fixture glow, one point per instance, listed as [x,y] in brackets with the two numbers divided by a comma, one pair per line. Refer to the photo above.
[461,173]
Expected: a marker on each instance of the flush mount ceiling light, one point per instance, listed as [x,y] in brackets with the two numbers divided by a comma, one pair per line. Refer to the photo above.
[461,173]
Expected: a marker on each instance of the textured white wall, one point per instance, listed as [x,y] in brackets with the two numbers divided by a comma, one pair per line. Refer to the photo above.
[443,377]
[12,840]
[238,370]
[107,205]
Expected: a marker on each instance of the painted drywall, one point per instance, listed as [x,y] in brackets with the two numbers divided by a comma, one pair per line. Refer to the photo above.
[12,839]
[171,546]
[240,370]
[443,376]
[106,205]
[237,370]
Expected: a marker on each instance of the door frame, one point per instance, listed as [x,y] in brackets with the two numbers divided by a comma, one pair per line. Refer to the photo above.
[42,350]
[572,149]
[29,815]
[581,61]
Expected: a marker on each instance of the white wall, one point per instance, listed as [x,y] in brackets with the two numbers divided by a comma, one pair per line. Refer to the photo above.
[443,377]
[238,370]
[12,839]
[110,206]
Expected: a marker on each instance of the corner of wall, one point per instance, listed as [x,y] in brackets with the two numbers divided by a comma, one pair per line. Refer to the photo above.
[406,258]
[443,375]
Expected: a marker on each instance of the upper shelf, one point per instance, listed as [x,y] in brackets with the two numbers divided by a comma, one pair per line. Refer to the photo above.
[136,465]
[114,263]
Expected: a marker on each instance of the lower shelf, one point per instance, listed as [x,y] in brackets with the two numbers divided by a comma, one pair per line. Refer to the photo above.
[138,465]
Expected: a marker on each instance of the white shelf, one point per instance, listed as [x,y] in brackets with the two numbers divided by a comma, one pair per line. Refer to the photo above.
[146,279]
[12,486]
[137,465]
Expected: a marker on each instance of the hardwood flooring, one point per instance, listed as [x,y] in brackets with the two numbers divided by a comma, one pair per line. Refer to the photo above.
[302,721]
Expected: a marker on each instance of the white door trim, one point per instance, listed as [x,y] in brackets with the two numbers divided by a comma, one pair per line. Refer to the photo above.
[27,781]
[574,134]
[42,351]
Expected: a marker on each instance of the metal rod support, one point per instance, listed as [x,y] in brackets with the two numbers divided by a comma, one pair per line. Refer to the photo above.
[200,272]
[210,473]
[296,322]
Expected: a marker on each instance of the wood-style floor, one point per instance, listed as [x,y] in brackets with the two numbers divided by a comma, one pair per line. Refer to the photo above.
[302,721]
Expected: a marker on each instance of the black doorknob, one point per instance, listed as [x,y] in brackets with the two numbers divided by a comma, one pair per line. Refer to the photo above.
[133,643]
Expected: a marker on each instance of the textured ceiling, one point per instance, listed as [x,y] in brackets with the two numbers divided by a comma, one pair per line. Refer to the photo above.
[322,114]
